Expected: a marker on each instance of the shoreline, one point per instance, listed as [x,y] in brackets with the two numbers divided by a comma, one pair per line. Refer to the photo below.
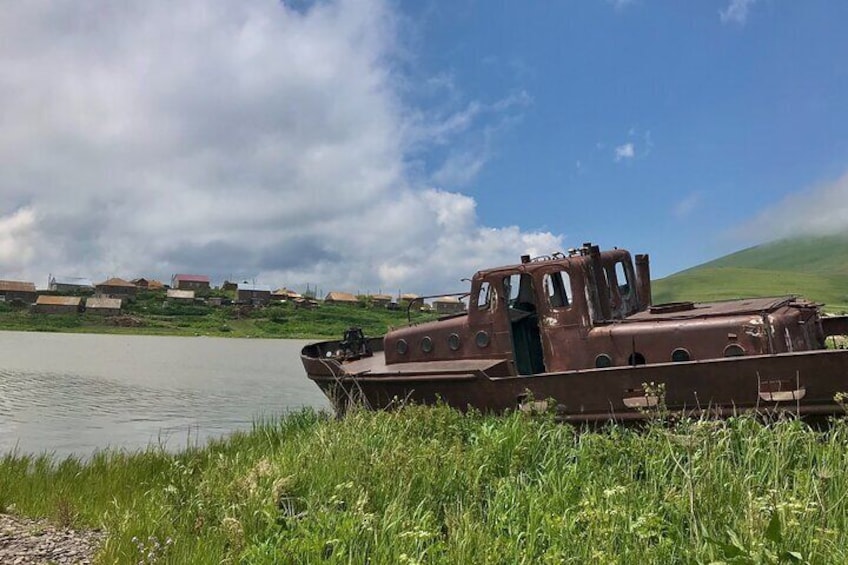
[148,316]
[27,541]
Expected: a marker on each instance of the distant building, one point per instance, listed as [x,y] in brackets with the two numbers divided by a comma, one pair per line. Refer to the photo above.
[17,290]
[340,298]
[115,288]
[305,303]
[57,305]
[448,305]
[103,306]
[285,294]
[190,282]
[70,284]
[405,299]
[147,284]
[180,296]
[381,300]
[229,286]
[256,294]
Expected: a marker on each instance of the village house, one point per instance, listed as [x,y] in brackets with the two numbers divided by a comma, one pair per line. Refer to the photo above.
[448,305]
[115,288]
[256,294]
[380,300]
[70,284]
[176,296]
[405,299]
[190,282]
[340,298]
[103,306]
[147,284]
[17,290]
[305,303]
[57,305]
[284,294]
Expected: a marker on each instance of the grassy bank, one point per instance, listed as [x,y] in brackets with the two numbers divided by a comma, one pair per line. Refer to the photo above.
[429,485]
[148,314]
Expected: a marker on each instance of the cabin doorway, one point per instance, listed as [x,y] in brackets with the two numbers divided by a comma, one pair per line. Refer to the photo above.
[524,324]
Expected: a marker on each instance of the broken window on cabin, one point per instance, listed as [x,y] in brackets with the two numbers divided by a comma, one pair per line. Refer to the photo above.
[518,289]
[484,297]
[558,289]
[621,275]
[511,285]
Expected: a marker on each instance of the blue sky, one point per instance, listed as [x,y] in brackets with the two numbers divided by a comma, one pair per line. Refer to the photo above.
[382,145]
[715,119]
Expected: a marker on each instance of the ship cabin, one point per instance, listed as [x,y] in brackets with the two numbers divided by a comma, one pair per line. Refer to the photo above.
[588,309]
[529,313]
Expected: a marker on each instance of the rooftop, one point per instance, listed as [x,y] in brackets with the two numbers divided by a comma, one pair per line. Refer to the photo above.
[45,300]
[17,286]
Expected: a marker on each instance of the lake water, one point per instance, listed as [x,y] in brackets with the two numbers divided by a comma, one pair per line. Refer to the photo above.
[75,393]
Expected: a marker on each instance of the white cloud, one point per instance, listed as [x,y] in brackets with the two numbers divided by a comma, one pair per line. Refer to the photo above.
[817,210]
[246,138]
[685,207]
[625,151]
[461,167]
[16,245]
[736,12]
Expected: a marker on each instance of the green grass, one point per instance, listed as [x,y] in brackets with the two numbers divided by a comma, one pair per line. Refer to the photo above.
[148,315]
[821,255]
[724,283]
[815,268]
[431,485]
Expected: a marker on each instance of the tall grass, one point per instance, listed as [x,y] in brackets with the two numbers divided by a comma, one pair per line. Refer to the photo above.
[431,485]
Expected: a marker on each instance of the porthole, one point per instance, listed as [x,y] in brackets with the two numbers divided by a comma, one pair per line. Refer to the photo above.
[680,354]
[734,350]
[402,347]
[603,361]
[454,341]
[636,358]
[427,344]
[482,339]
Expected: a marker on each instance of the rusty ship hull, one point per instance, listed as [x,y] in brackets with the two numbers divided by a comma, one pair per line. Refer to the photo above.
[804,383]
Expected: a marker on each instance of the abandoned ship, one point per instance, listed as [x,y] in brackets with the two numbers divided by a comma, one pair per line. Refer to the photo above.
[577,332]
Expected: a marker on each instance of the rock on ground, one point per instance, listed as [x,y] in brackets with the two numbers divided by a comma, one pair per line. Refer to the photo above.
[24,542]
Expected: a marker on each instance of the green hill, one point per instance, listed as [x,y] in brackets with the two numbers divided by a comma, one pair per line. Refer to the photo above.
[813,267]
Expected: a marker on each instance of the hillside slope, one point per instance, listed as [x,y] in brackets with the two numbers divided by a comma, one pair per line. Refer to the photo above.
[816,268]
[821,255]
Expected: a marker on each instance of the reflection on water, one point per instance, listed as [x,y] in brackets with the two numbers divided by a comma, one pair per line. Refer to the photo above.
[67,393]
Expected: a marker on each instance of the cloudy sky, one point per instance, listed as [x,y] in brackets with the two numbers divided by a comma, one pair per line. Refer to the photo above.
[368,145]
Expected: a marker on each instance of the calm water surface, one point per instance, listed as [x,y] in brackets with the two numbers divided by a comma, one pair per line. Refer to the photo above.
[75,393]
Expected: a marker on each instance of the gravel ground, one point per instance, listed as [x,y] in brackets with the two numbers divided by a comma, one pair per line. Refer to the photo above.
[25,541]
